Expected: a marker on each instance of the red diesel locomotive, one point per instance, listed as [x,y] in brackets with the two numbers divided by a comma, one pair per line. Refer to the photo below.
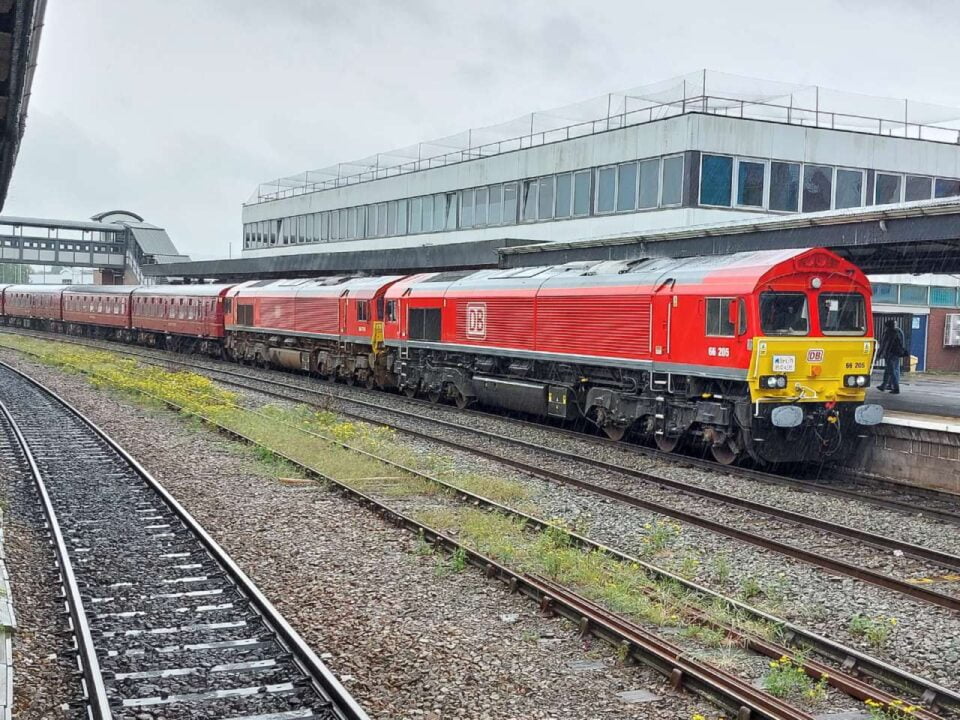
[766,354]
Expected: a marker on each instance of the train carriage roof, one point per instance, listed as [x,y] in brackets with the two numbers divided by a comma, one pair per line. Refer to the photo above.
[48,289]
[98,289]
[204,290]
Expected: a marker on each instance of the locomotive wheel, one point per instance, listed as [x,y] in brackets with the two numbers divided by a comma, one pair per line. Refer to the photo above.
[349,380]
[370,382]
[724,453]
[462,400]
[667,443]
[615,432]
[434,397]
[410,391]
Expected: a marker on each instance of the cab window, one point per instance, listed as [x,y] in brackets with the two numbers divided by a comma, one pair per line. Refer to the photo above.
[842,314]
[784,314]
[718,317]
[391,310]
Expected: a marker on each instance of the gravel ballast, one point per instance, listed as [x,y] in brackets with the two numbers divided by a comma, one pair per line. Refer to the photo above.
[409,638]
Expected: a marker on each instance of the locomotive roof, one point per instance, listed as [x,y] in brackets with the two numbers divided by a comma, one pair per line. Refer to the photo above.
[204,290]
[325,287]
[745,268]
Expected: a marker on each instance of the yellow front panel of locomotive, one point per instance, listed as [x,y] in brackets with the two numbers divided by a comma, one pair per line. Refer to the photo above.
[814,368]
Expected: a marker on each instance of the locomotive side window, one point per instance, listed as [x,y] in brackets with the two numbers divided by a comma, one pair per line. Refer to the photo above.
[363,310]
[784,314]
[391,310]
[228,305]
[718,317]
[842,314]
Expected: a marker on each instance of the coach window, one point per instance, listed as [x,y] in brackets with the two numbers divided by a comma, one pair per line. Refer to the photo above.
[716,172]
[784,313]
[719,323]
[363,311]
[391,310]
[817,187]
[887,189]
[842,314]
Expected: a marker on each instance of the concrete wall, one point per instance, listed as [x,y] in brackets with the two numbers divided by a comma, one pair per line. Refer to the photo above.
[928,458]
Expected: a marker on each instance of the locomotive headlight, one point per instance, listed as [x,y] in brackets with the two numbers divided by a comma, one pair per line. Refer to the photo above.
[815,283]
[856,381]
[861,381]
[773,382]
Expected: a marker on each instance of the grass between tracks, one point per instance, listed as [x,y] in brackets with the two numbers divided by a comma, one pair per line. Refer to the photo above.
[312,438]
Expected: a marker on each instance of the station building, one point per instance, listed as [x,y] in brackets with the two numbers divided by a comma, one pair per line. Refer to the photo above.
[696,150]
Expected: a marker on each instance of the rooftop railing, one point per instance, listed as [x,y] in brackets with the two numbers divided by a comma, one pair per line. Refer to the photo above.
[800,106]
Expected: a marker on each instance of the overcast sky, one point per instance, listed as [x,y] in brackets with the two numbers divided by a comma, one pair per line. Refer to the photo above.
[176,109]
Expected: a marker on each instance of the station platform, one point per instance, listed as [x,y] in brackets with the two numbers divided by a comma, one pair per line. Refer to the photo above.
[919,439]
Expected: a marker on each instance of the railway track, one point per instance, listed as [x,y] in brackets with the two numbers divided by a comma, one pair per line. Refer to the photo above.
[619,482]
[873,490]
[165,623]
[929,693]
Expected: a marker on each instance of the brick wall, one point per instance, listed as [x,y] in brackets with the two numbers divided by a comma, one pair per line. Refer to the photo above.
[940,357]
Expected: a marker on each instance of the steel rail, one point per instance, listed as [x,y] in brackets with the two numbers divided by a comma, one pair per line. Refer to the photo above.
[806,485]
[823,561]
[932,693]
[96,692]
[328,686]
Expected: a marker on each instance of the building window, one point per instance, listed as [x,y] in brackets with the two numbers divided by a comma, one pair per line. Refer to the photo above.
[334,226]
[428,213]
[672,181]
[913,295]
[946,188]
[718,317]
[402,217]
[649,190]
[564,195]
[392,217]
[530,200]
[494,205]
[466,208]
[884,292]
[451,201]
[309,233]
[381,220]
[750,178]
[784,186]
[627,187]
[416,207]
[606,189]
[917,188]
[817,187]
[715,180]
[849,189]
[343,224]
[480,207]
[943,296]
[581,192]
[439,212]
[545,202]
[302,229]
[510,203]
[888,189]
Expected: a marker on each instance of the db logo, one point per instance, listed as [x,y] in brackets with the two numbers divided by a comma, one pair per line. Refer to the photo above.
[477,320]
[814,355]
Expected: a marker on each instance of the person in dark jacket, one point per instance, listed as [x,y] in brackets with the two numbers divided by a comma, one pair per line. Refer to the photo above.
[892,349]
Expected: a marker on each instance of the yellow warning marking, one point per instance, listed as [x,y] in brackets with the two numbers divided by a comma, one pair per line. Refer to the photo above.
[953,577]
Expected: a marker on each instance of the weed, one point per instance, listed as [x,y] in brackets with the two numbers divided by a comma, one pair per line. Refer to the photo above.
[458,561]
[896,710]
[690,565]
[787,678]
[660,534]
[424,547]
[875,631]
[750,588]
[720,568]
